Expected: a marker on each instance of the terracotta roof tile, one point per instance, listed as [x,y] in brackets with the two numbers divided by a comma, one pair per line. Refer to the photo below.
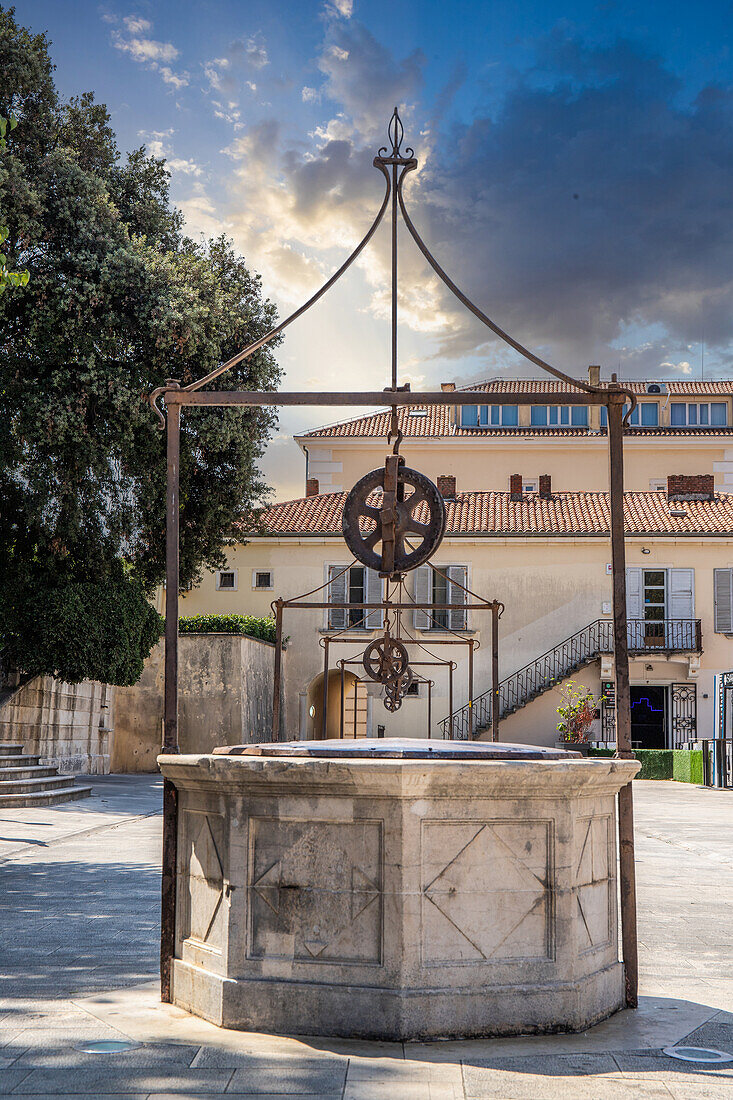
[495,514]
[434,421]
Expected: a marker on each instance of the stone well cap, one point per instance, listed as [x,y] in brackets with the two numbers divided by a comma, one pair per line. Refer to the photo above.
[399,748]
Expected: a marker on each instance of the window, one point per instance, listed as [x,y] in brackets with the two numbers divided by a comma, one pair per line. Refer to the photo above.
[658,484]
[698,414]
[355,585]
[444,584]
[489,416]
[645,413]
[261,578]
[226,579]
[723,598]
[414,688]
[559,416]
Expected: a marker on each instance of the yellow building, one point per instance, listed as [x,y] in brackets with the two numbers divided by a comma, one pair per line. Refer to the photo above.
[527,525]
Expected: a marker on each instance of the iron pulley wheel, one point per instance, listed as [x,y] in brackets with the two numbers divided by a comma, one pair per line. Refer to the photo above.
[385,659]
[408,523]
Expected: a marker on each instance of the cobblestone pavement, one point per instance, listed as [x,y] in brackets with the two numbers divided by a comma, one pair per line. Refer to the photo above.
[78,962]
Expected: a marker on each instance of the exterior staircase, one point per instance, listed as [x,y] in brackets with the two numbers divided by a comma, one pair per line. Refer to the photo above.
[25,782]
[563,660]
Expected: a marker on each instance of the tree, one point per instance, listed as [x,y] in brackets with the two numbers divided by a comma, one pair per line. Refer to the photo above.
[118,300]
[8,277]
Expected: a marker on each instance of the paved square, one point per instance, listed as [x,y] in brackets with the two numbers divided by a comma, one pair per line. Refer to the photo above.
[79,911]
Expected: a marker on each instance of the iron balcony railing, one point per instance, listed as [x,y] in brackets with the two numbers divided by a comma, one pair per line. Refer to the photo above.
[586,645]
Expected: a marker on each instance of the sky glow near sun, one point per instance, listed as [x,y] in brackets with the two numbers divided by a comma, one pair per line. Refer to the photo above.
[575,173]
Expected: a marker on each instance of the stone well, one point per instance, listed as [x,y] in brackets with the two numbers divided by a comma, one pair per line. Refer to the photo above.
[397,889]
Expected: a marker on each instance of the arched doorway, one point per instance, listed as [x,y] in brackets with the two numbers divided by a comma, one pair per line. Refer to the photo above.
[354,706]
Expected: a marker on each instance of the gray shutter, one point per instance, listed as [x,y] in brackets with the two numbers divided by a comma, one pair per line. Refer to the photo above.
[423,594]
[457,596]
[723,597]
[373,619]
[681,594]
[634,609]
[337,593]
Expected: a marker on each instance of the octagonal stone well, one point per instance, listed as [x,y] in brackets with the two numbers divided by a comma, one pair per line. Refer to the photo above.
[397,889]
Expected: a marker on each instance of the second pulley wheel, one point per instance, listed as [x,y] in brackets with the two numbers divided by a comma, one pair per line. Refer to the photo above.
[385,659]
[415,521]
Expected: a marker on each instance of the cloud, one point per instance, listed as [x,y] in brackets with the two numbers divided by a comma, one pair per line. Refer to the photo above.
[309,95]
[147,51]
[590,202]
[343,8]
[228,75]
[159,148]
[201,216]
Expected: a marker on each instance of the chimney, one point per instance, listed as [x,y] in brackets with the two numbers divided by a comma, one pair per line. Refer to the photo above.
[545,487]
[447,387]
[447,486]
[594,375]
[515,487]
[690,487]
[311,487]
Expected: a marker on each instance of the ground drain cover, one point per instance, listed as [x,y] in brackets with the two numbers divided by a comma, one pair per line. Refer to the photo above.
[107,1046]
[698,1054]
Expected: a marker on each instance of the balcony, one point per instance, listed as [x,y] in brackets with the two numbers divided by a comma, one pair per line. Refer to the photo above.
[664,636]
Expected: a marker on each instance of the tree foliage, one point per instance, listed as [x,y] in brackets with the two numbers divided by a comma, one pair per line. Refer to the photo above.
[119,299]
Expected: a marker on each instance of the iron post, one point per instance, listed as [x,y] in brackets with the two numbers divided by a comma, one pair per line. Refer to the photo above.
[623,700]
[170,698]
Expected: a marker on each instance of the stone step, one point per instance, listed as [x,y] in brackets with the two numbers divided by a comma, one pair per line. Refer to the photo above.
[17,786]
[45,798]
[21,760]
[9,748]
[28,771]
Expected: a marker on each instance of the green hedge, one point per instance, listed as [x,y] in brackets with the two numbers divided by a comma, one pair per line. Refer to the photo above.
[684,765]
[249,625]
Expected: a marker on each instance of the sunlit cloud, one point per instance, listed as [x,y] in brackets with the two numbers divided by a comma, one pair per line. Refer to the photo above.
[147,51]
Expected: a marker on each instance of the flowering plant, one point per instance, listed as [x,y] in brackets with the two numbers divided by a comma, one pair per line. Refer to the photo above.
[577,711]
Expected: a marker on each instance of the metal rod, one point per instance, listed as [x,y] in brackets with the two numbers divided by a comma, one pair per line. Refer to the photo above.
[394,276]
[430,709]
[356,703]
[341,719]
[623,703]
[381,397]
[278,670]
[470,690]
[387,605]
[494,674]
[324,723]
[170,701]
[450,698]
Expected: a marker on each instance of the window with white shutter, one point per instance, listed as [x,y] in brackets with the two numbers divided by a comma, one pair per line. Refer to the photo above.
[337,586]
[681,593]
[723,597]
[423,594]
[374,619]
[357,585]
[457,584]
[444,584]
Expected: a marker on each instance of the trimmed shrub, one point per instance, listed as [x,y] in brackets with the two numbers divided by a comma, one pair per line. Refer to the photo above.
[249,625]
[684,765]
[687,766]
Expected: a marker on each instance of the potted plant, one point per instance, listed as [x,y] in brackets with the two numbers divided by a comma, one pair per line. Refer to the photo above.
[578,710]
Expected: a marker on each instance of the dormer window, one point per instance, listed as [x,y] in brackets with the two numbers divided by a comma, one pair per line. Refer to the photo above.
[489,416]
[698,414]
[645,414]
[559,416]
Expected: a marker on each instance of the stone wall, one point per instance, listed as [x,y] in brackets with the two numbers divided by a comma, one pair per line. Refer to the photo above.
[224,692]
[67,725]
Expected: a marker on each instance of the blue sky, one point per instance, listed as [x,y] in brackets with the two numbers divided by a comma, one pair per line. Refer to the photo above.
[576,170]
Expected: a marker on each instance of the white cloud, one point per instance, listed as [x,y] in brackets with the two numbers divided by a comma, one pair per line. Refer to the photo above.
[157,147]
[255,52]
[177,80]
[149,52]
[201,216]
[338,53]
[309,95]
[344,8]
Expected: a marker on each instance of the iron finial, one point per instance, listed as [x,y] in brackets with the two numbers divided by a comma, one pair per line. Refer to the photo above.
[396,133]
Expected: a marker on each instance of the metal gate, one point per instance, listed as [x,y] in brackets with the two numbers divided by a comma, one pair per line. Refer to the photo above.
[684,714]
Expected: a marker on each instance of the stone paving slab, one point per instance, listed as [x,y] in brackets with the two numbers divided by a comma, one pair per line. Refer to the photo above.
[94,869]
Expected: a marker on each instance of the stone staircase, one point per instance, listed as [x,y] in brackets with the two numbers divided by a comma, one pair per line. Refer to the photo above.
[25,782]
